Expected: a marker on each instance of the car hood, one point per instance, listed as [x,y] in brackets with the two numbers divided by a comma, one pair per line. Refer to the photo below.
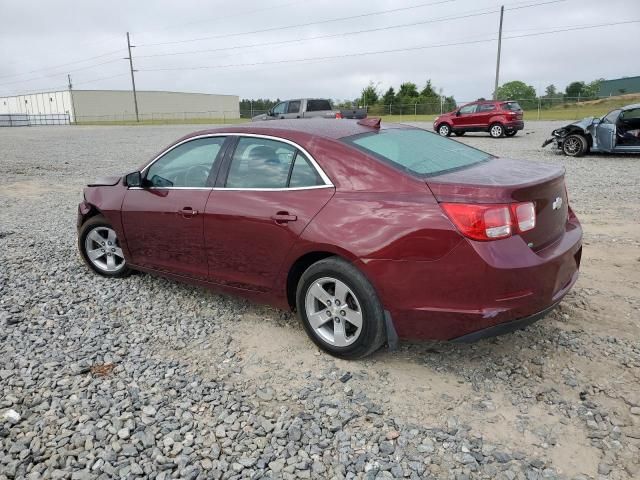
[584,123]
[258,118]
[107,181]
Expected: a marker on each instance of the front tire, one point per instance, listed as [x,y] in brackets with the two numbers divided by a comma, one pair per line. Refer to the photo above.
[444,130]
[496,130]
[574,145]
[340,310]
[100,248]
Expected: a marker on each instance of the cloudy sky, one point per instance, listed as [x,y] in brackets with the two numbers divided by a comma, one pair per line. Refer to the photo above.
[325,48]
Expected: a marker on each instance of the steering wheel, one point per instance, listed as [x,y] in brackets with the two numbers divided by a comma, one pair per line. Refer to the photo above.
[196,176]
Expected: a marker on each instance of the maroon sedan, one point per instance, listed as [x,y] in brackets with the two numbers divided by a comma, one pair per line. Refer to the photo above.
[371,233]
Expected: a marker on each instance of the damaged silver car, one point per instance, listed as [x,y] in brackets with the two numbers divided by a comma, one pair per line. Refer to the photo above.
[618,131]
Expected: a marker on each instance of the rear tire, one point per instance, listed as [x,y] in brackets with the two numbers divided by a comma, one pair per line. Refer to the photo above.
[496,130]
[574,145]
[444,130]
[340,310]
[459,133]
[100,248]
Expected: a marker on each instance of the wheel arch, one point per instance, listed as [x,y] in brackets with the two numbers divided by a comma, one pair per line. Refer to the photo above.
[86,211]
[303,262]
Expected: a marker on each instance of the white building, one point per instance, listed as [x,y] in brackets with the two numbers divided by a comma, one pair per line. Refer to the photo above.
[117,105]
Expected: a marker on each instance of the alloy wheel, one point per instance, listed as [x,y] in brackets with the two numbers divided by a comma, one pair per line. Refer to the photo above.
[444,130]
[333,311]
[496,131]
[103,249]
[572,145]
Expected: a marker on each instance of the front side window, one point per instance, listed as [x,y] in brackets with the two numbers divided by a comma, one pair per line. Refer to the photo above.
[187,165]
[280,108]
[468,109]
[294,106]
[611,117]
[417,151]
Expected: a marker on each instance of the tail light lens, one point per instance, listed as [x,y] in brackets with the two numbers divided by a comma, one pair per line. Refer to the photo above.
[491,222]
[338,114]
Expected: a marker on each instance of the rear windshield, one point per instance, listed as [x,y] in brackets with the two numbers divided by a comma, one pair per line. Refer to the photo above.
[417,151]
[513,106]
[318,105]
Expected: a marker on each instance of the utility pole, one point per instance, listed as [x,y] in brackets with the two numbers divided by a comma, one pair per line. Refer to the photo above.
[73,107]
[495,88]
[133,80]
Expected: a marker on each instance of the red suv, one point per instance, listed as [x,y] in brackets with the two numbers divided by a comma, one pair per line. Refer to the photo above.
[499,118]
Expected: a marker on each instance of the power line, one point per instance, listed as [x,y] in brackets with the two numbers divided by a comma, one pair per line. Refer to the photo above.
[470,14]
[395,50]
[61,65]
[59,73]
[233,15]
[58,88]
[299,25]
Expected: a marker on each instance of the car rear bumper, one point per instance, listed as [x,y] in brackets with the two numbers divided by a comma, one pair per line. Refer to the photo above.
[517,125]
[479,287]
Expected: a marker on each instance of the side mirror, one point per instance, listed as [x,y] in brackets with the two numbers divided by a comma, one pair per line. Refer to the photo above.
[270,113]
[457,113]
[133,179]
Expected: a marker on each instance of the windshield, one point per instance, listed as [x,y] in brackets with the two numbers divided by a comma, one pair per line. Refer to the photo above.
[417,151]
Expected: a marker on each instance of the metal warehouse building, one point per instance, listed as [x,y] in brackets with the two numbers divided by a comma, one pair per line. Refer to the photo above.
[77,106]
[619,86]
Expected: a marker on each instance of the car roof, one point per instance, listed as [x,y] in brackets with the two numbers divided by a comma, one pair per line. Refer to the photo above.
[631,107]
[314,127]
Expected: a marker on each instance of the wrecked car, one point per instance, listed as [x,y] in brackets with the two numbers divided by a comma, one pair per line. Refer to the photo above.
[618,131]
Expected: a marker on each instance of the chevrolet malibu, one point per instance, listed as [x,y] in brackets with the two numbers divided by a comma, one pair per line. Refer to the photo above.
[371,233]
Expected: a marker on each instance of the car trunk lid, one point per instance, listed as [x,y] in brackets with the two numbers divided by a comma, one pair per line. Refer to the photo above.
[503,181]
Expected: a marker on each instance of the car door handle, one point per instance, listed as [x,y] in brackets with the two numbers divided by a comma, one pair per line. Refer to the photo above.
[283,217]
[188,212]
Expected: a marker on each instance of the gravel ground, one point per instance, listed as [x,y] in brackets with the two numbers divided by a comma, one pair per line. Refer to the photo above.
[147,378]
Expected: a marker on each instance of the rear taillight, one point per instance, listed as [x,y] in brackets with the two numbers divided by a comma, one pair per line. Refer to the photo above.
[491,221]
[338,114]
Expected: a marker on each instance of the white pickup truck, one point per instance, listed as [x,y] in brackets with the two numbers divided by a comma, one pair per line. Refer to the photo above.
[308,108]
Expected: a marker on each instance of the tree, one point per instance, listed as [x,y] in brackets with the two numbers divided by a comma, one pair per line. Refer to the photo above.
[389,97]
[550,91]
[592,89]
[520,91]
[516,90]
[408,89]
[428,91]
[369,95]
[575,90]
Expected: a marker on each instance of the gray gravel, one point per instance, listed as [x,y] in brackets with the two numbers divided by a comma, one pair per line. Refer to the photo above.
[148,378]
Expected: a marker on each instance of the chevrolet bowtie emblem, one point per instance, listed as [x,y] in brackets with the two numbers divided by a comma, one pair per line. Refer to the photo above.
[557,203]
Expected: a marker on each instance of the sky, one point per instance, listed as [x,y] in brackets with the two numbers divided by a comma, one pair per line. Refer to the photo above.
[313,48]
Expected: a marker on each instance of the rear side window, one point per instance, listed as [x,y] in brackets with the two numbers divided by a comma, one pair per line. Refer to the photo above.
[260,163]
[416,151]
[486,107]
[264,163]
[318,105]
[304,174]
[511,106]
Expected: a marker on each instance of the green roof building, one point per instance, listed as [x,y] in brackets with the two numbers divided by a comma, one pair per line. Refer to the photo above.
[619,86]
